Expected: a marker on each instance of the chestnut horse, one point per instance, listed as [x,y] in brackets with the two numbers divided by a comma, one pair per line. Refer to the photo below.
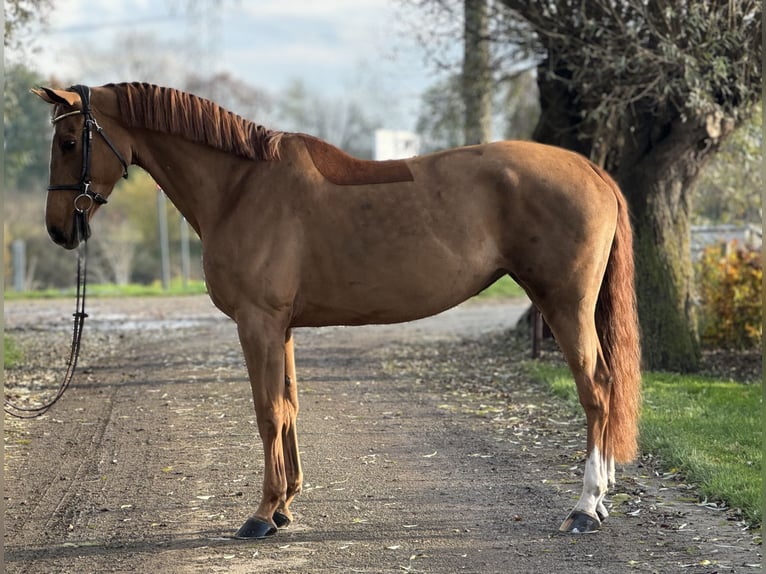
[297,233]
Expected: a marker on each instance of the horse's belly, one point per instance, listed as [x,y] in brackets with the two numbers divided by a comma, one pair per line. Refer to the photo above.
[365,303]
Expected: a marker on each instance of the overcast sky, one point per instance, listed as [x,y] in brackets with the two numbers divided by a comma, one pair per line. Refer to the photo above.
[334,46]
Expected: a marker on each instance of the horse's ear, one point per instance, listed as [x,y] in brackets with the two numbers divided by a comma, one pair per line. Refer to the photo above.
[57,96]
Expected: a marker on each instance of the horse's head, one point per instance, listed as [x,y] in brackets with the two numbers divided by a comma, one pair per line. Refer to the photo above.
[90,152]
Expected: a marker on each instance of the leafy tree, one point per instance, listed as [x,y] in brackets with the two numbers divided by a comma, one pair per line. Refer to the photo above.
[19,16]
[476,75]
[126,234]
[342,122]
[519,106]
[233,94]
[135,55]
[440,123]
[649,90]
[46,265]
[729,190]
[27,132]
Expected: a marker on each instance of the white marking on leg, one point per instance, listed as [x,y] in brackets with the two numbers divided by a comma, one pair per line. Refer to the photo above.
[594,484]
[603,514]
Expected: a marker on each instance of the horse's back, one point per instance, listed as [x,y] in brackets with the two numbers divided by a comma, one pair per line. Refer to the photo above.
[532,162]
[550,212]
[521,185]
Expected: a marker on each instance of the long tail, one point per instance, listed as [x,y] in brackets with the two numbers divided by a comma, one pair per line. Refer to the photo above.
[618,329]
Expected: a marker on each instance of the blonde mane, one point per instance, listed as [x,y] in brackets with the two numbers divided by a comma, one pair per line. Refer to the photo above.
[199,120]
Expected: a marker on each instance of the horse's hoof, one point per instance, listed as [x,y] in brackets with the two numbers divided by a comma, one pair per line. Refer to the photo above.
[281,520]
[255,528]
[579,522]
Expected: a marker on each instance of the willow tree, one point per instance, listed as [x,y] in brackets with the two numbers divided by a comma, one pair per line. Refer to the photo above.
[649,89]
[476,74]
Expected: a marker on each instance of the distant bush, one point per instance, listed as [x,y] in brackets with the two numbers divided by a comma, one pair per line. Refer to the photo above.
[729,283]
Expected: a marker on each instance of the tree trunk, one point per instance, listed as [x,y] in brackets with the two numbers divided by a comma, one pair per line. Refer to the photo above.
[664,277]
[559,123]
[656,164]
[477,77]
[658,170]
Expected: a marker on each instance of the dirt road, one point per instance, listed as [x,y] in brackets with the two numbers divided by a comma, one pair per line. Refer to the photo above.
[414,461]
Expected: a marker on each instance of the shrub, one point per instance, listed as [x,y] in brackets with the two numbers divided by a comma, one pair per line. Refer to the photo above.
[729,283]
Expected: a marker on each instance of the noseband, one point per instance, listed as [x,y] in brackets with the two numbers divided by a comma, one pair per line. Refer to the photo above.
[85,200]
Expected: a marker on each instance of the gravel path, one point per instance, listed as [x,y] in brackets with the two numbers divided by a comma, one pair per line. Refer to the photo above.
[424,451]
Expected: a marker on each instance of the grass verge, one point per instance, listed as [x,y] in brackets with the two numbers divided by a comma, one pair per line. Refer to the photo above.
[503,287]
[111,290]
[11,354]
[706,429]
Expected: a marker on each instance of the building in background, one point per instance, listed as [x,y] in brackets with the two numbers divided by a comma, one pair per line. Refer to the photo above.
[748,236]
[395,144]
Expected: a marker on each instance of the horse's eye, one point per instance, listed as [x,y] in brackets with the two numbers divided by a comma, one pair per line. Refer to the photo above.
[68,145]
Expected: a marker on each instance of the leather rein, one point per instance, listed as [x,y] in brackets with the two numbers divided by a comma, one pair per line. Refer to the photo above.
[82,204]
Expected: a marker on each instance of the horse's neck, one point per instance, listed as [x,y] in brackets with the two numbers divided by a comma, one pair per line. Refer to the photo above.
[194,177]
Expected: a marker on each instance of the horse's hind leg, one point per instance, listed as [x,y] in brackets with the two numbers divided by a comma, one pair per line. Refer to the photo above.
[283,517]
[575,330]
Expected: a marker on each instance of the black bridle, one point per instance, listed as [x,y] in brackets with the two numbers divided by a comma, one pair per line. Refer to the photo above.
[87,197]
[82,204]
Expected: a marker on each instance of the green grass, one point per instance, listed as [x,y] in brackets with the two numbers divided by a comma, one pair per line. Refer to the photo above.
[503,287]
[11,354]
[706,429]
[111,290]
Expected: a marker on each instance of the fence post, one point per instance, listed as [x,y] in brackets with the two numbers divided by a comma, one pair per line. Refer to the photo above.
[19,260]
[537,332]
[162,219]
[185,257]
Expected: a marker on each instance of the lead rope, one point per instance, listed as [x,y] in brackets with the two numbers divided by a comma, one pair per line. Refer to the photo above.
[23,412]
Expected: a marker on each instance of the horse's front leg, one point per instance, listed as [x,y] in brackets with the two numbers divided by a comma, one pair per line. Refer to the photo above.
[263,343]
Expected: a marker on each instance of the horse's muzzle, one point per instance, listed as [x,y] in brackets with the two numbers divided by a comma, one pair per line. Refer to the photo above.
[62,238]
